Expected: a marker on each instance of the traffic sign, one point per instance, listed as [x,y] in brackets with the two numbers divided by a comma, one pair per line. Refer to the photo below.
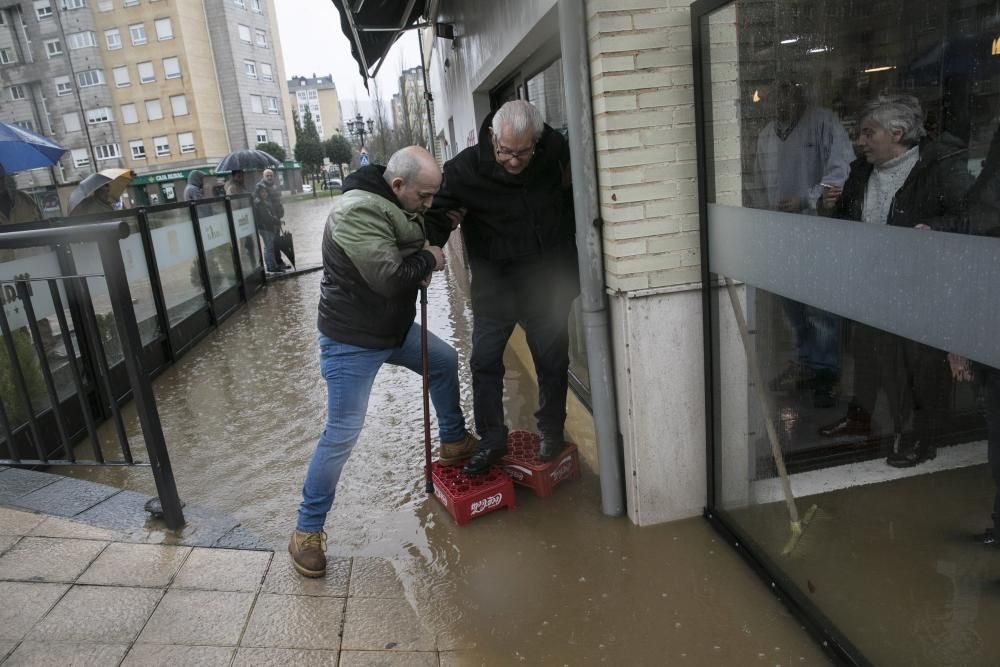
[363,159]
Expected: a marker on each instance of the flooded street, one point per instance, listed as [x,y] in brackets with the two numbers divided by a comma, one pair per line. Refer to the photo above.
[550,582]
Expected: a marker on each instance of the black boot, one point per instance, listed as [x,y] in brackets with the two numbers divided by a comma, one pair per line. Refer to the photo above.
[914,454]
[483,460]
[550,447]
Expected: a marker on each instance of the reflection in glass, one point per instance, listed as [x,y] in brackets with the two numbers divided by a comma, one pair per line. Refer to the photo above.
[177,261]
[214,225]
[246,236]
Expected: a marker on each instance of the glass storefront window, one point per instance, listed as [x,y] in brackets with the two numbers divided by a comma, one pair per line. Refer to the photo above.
[246,235]
[214,225]
[852,156]
[177,262]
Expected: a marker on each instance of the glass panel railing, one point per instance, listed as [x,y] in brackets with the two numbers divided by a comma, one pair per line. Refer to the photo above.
[217,242]
[177,261]
[246,235]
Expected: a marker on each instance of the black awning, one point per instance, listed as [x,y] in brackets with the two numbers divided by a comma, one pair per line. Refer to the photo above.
[373,26]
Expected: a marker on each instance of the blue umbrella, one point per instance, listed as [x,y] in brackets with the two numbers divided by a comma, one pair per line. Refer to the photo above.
[21,150]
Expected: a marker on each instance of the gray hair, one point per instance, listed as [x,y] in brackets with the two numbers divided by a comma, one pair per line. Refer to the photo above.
[898,112]
[404,164]
[519,117]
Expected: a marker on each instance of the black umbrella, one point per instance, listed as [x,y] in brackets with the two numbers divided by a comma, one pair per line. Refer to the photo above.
[284,245]
[247,159]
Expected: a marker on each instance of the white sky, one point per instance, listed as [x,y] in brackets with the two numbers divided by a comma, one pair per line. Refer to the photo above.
[312,43]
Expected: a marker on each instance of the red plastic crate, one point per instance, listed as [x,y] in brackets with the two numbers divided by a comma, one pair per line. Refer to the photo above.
[467,497]
[523,466]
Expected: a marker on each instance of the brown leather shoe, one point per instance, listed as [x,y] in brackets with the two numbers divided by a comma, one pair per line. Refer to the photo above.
[853,423]
[452,453]
[308,552]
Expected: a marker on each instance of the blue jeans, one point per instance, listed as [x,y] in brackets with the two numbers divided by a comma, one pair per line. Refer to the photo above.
[817,335]
[350,372]
[268,238]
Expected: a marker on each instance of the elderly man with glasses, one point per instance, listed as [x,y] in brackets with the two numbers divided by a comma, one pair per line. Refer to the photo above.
[511,194]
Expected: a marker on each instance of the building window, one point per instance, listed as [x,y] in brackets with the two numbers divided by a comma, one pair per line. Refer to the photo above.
[313,95]
[244,33]
[162,146]
[138,149]
[74,4]
[80,157]
[266,74]
[302,95]
[43,9]
[179,105]
[272,105]
[98,116]
[105,5]
[164,29]
[53,48]
[261,136]
[261,37]
[113,38]
[92,77]
[6,56]
[71,122]
[171,67]
[81,40]
[121,76]
[153,110]
[63,86]
[146,73]
[256,104]
[240,3]
[130,3]
[251,69]
[255,5]
[17,92]
[107,152]
[137,31]
[25,125]
[129,114]
[278,137]
[186,141]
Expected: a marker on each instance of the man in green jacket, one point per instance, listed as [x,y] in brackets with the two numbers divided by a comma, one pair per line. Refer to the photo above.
[375,259]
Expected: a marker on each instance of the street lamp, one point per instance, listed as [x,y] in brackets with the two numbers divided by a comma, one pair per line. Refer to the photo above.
[357,128]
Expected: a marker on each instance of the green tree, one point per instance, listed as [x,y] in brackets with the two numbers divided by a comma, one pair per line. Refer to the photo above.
[339,150]
[308,148]
[272,149]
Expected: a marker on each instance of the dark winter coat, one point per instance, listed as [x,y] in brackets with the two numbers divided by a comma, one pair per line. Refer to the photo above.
[933,194]
[373,263]
[195,186]
[519,229]
[267,208]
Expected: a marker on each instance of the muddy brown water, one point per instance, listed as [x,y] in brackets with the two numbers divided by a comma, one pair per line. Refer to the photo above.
[553,581]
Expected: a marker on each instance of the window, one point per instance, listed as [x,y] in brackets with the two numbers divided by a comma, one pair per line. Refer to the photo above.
[137,31]
[255,5]
[261,136]
[179,105]
[63,86]
[74,4]
[240,3]
[53,47]
[302,95]
[6,56]
[121,76]
[266,74]
[171,67]
[251,69]
[244,33]
[130,3]
[164,29]
[162,146]
[105,5]
[107,152]
[146,73]
[272,105]
[153,110]
[71,122]
[80,157]
[138,149]
[98,116]
[113,37]
[81,40]
[186,141]
[43,9]
[91,77]
[25,125]
[17,92]
[129,114]
[256,104]
[313,95]
[278,137]
[261,37]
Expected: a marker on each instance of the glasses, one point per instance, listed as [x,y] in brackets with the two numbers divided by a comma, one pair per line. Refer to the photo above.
[506,155]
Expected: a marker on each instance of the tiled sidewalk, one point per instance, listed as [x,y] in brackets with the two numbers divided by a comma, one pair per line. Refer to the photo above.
[75,594]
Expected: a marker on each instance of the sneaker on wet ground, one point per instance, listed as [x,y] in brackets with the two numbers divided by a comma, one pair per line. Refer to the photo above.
[308,552]
[451,453]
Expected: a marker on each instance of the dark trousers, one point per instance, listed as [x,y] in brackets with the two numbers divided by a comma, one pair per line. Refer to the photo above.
[992,381]
[548,340]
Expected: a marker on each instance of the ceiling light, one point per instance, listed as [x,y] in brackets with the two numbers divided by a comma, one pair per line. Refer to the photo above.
[884,68]
[790,40]
[819,49]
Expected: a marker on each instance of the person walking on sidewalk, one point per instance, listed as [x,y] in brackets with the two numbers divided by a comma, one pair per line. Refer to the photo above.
[375,259]
[511,194]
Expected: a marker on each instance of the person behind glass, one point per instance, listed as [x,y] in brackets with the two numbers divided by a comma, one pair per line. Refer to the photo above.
[268,210]
[98,202]
[511,194]
[236,185]
[903,180]
[799,152]
[376,256]
[195,188]
[15,206]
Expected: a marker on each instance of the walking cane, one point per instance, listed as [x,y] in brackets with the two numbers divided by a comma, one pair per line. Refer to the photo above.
[427,407]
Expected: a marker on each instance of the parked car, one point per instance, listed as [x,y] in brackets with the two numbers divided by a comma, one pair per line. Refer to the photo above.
[307,188]
[332,184]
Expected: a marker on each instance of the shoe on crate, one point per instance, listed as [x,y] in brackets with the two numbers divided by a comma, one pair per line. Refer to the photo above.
[550,447]
[483,460]
[451,453]
[308,552]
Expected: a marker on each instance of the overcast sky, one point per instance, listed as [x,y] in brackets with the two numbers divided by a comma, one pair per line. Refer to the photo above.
[312,42]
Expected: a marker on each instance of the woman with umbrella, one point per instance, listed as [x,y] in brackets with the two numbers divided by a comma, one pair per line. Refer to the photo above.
[97,193]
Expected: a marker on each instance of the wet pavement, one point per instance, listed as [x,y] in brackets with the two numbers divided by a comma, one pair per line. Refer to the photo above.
[552,581]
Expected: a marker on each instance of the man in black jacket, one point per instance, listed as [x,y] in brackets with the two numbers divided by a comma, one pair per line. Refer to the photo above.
[511,194]
[375,258]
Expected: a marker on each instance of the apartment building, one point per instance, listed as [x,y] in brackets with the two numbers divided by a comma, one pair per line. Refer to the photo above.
[319,96]
[159,86]
[409,110]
